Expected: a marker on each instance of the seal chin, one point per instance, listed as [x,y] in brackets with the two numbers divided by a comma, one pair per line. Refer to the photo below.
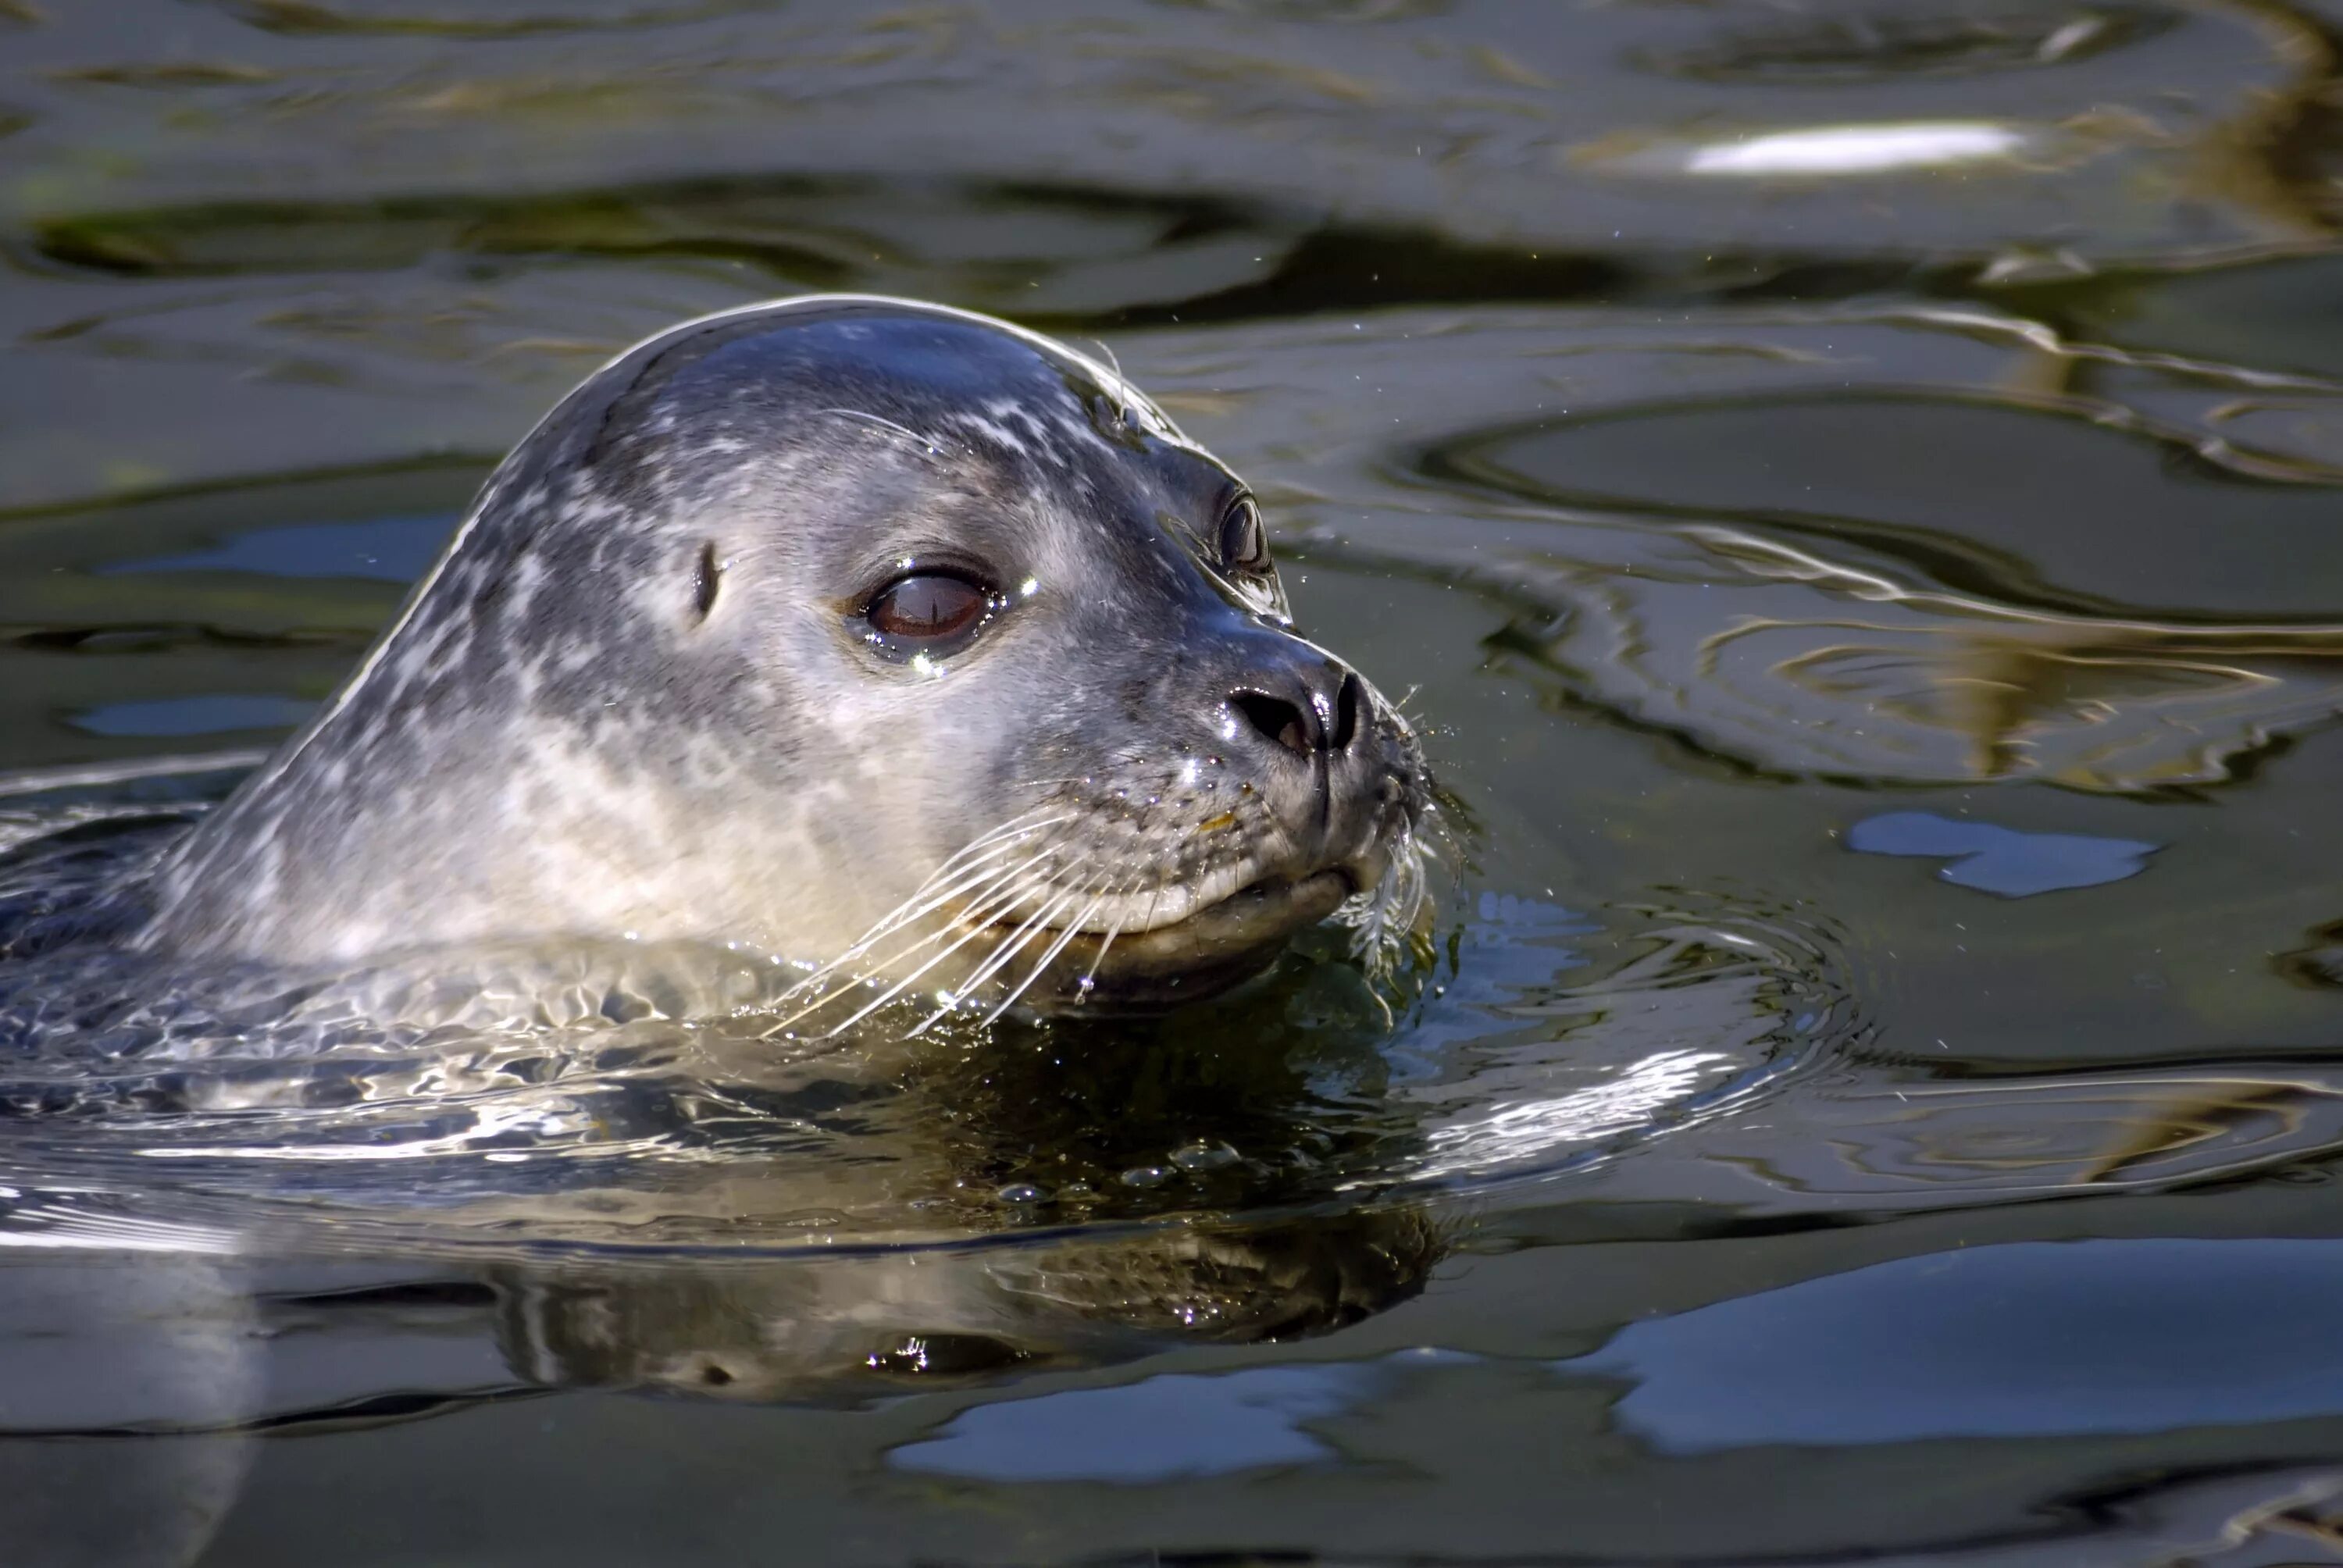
[1216,947]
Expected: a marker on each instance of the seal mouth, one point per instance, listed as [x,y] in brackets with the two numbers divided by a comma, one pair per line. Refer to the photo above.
[1206,952]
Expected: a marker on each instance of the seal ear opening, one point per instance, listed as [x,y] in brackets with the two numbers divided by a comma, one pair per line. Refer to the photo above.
[707,573]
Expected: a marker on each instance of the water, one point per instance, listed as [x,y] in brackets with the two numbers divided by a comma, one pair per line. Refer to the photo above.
[1849,490]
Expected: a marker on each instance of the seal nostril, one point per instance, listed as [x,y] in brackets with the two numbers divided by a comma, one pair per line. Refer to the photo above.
[1347,703]
[1275,718]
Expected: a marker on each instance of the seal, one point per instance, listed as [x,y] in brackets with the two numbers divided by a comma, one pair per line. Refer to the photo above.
[866,633]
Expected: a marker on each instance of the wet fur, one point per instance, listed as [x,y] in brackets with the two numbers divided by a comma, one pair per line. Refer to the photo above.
[627,702]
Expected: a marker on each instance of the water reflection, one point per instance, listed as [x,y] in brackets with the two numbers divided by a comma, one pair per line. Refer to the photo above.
[1822,151]
[1171,1427]
[1918,1140]
[462,20]
[1999,860]
[1899,1352]
[129,1382]
[1770,654]
[1933,622]
[857,1327]
[1746,425]
[1859,44]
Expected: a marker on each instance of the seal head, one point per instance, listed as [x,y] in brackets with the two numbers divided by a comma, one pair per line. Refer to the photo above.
[845,629]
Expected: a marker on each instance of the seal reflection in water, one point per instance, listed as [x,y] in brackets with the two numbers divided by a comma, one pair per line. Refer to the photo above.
[846,1328]
[841,629]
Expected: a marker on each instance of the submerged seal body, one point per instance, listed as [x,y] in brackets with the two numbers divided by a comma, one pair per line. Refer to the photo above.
[851,630]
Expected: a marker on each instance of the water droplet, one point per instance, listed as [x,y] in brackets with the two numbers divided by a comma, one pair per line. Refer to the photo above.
[1202,1155]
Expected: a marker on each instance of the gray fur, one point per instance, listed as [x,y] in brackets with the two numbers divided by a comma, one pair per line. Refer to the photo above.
[551,742]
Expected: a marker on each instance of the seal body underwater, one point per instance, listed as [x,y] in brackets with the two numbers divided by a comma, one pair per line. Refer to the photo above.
[852,630]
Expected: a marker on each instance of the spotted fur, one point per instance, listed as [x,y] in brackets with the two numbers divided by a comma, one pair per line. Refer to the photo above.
[567,733]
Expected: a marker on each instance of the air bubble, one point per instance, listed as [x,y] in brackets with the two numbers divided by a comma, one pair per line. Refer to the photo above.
[1203,1155]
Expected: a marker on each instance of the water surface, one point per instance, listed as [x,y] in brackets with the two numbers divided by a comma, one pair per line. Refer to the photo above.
[1850,494]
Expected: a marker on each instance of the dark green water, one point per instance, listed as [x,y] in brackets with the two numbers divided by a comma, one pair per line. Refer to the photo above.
[1853,489]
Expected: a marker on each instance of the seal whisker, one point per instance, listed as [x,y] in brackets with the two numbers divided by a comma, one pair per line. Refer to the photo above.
[1162,882]
[1053,784]
[984,845]
[989,878]
[1084,986]
[903,914]
[928,446]
[1012,944]
[993,904]
[1025,822]
[1071,930]
[1004,841]
[987,897]
[983,886]
[1010,947]
[975,930]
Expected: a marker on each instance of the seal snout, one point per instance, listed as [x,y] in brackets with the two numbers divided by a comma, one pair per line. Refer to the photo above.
[1329,752]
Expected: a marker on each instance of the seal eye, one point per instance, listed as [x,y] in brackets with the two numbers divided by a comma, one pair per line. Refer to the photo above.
[916,612]
[1244,544]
